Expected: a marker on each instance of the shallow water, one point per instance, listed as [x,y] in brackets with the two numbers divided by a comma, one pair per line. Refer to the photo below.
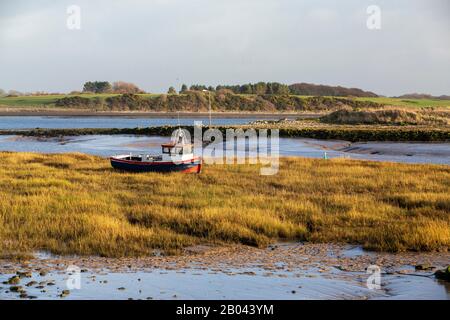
[195,284]
[107,145]
[71,122]
[104,145]
[304,281]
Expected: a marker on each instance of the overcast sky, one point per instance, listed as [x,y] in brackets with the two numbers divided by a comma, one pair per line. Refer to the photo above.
[159,43]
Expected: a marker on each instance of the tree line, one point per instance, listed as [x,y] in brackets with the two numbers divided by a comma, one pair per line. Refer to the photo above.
[259,88]
[106,87]
[276,88]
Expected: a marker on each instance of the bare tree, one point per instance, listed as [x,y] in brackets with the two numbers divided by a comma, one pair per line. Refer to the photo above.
[126,87]
[14,93]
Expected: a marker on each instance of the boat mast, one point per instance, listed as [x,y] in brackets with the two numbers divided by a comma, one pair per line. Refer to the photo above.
[209,99]
[209,103]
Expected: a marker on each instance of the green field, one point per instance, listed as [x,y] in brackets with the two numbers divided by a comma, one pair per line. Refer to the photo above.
[421,103]
[48,101]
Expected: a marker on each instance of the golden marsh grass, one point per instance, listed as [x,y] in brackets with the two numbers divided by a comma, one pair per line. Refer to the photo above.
[77,204]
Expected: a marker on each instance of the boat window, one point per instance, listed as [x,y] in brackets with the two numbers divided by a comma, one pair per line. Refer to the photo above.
[166,150]
[178,150]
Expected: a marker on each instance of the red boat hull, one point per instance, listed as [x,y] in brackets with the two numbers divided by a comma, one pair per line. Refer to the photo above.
[188,166]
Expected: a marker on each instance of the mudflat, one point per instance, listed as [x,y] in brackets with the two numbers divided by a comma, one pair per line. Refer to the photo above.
[147,114]
[280,271]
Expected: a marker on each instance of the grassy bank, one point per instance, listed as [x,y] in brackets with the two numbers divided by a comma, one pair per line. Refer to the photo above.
[77,204]
[198,101]
[297,129]
[389,116]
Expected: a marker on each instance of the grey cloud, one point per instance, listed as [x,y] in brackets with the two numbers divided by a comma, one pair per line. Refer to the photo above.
[157,44]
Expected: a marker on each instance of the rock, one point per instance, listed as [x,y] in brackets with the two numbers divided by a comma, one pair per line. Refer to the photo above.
[443,274]
[64,293]
[16,289]
[13,280]
[23,295]
[341,268]
[24,274]
[121,288]
[43,273]
[424,267]
[31,283]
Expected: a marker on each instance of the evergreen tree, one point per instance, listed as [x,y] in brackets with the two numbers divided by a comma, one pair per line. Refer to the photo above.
[97,86]
[172,91]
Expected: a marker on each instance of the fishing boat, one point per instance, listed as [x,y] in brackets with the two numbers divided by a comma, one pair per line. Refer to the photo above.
[177,156]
